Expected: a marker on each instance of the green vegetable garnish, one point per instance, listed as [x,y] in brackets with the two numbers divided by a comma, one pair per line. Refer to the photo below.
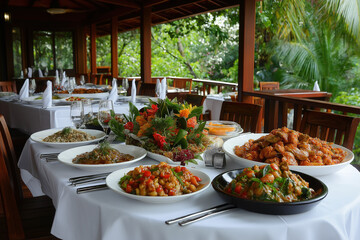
[104,148]
[66,131]
[178,178]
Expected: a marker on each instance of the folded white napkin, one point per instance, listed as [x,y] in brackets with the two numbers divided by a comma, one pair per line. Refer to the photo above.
[113,96]
[158,88]
[163,89]
[40,73]
[133,91]
[63,80]
[29,72]
[316,86]
[24,91]
[22,74]
[47,96]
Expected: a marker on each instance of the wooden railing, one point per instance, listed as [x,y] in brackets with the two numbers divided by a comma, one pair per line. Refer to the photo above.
[276,109]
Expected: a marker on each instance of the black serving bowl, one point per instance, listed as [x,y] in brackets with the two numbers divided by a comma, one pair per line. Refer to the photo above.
[285,208]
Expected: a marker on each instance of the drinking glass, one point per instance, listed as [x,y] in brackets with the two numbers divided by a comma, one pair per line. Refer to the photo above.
[125,84]
[104,114]
[82,80]
[71,85]
[77,113]
[88,111]
[32,87]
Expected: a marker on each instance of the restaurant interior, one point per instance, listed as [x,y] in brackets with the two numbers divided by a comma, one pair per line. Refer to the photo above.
[44,196]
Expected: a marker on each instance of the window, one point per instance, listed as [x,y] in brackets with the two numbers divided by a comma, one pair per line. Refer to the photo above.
[53,50]
[16,36]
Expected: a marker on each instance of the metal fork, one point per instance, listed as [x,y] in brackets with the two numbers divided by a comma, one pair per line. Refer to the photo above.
[194,217]
[91,188]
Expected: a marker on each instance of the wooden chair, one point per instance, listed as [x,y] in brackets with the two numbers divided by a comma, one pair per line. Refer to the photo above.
[340,129]
[147,89]
[269,85]
[246,114]
[194,99]
[8,86]
[26,218]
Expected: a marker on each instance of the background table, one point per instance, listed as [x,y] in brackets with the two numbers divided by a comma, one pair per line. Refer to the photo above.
[108,215]
[31,118]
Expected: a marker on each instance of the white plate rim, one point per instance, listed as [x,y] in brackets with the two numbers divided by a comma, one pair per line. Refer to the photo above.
[69,154]
[37,137]
[228,148]
[113,179]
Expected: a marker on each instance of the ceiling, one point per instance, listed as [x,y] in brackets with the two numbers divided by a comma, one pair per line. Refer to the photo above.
[101,11]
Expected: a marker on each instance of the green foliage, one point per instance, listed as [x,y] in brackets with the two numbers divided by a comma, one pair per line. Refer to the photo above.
[352,97]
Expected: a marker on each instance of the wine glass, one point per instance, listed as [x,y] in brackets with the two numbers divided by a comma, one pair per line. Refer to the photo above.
[32,87]
[71,85]
[125,84]
[82,80]
[88,111]
[104,114]
[77,113]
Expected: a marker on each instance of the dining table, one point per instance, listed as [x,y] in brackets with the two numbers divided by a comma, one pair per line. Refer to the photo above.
[105,214]
[31,117]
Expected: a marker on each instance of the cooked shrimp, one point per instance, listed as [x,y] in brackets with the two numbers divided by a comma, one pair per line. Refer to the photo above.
[267,152]
[289,158]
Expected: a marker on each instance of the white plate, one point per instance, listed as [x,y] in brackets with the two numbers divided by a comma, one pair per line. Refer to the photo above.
[39,136]
[113,179]
[229,145]
[32,100]
[161,158]
[67,156]
[7,94]
[139,99]
[102,95]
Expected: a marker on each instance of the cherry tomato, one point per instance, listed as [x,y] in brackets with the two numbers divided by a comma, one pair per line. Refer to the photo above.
[177,169]
[172,192]
[147,173]
[128,188]
[197,178]
[164,175]
[183,169]
[238,188]
[159,189]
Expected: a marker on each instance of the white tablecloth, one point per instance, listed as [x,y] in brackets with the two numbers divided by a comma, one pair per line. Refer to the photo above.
[33,118]
[107,215]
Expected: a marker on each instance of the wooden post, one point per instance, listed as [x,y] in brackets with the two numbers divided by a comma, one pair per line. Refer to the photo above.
[246,48]
[114,47]
[145,37]
[93,48]
[80,50]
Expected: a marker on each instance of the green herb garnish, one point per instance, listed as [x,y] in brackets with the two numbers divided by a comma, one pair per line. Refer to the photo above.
[66,131]
[104,148]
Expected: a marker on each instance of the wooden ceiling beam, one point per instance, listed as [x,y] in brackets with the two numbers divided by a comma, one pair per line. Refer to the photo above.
[164,18]
[84,3]
[123,3]
[200,6]
[215,3]
[153,3]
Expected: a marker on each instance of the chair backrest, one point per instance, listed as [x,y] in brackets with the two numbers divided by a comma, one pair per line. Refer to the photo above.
[8,86]
[246,114]
[194,99]
[10,206]
[147,89]
[10,158]
[269,85]
[330,127]
[9,187]
[182,83]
